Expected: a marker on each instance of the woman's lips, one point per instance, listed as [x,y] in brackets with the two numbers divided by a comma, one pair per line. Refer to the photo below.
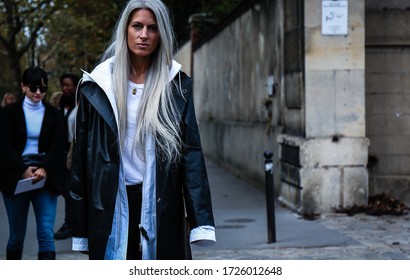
[143,46]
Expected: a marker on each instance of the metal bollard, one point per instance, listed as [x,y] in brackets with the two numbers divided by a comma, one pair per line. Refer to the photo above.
[270,196]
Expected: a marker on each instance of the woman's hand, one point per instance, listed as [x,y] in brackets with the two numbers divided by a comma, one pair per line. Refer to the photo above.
[34,172]
[29,173]
[39,174]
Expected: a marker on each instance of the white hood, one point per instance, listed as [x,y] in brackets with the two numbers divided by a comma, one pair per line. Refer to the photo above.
[102,74]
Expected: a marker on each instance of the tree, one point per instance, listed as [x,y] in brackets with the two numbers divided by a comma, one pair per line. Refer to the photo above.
[213,12]
[78,35]
[58,35]
[69,35]
[22,23]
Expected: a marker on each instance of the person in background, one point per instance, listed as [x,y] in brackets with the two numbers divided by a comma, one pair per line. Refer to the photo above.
[67,105]
[140,188]
[8,99]
[32,129]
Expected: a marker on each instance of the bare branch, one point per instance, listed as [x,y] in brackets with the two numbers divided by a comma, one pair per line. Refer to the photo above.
[33,36]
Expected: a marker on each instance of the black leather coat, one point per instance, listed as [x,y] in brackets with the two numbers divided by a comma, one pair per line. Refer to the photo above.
[96,163]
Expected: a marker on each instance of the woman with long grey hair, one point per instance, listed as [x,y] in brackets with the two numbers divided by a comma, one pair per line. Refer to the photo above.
[140,188]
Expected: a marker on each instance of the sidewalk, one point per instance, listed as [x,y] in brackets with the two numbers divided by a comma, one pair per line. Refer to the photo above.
[240,213]
[241,230]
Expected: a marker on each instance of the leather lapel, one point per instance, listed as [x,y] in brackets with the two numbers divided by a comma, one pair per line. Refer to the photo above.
[101,104]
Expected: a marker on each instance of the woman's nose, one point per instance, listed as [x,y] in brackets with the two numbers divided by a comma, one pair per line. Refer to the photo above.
[144,33]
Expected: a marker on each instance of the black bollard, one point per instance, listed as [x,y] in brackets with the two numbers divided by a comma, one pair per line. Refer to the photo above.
[270,196]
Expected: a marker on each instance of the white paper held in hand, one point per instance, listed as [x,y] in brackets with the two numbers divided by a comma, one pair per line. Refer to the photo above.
[26,185]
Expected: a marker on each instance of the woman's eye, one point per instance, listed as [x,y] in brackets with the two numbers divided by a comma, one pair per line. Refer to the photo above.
[137,26]
[153,28]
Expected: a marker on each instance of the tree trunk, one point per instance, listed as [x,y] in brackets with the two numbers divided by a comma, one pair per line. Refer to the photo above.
[16,69]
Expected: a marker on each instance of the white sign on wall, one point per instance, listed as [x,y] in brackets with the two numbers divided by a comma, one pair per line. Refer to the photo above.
[334,17]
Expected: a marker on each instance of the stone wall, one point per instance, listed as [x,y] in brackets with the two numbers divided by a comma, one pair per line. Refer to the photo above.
[388,96]
[183,56]
[334,96]
[323,159]
[231,86]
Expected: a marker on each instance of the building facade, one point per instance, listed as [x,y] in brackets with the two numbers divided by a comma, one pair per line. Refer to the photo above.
[323,84]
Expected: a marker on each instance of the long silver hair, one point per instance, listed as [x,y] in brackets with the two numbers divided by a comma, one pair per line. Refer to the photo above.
[157,112]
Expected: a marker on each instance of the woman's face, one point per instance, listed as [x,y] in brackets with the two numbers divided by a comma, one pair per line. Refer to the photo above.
[67,86]
[9,100]
[36,92]
[143,34]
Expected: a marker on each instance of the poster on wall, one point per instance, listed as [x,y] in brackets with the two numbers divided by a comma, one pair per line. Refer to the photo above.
[335,17]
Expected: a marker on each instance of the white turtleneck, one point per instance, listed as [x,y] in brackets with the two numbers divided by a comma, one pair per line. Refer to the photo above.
[34,114]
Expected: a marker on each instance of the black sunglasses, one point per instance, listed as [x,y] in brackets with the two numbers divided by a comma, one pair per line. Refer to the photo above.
[43,89]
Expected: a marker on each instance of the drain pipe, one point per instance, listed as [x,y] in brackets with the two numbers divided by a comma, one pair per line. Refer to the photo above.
[270,196]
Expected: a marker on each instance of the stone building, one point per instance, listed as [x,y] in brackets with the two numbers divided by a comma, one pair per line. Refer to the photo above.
[323,84]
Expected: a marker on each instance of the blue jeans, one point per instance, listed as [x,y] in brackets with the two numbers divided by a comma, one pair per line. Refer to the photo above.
[44,206]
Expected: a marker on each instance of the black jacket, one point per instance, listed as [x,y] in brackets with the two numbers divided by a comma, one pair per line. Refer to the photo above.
[96,163]
[13,142]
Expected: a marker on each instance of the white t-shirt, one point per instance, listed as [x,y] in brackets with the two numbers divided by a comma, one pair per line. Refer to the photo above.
[133,157]
[71,124]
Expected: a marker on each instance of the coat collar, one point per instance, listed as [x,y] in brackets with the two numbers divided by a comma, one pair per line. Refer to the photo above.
[103,70]
[101,75]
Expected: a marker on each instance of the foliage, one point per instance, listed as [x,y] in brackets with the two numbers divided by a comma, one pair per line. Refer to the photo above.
[22,22]
[60,36]
[69,35]
[78,35]
[212,11]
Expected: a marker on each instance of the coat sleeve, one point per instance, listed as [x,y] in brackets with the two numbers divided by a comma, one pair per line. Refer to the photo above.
[79,188]
[54,147]
[196,186]
[11,164]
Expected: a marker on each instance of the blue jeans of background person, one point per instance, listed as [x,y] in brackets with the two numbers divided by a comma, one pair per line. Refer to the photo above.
[44,206]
